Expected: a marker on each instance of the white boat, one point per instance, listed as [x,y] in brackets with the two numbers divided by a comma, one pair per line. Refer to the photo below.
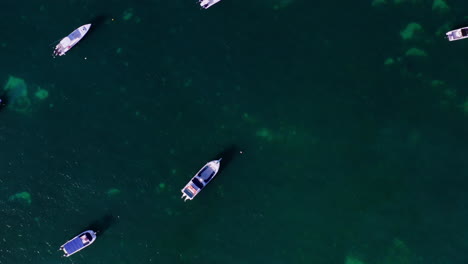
[200,180]
[207,3]
[78,243]
[69,41]
[457,34]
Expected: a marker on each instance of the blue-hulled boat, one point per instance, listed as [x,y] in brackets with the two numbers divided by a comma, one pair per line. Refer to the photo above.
[78,243]
[200,180]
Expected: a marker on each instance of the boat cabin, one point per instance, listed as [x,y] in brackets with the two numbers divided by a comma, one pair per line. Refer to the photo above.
[464,32]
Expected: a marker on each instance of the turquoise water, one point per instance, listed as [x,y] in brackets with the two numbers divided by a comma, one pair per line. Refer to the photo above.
[342,141]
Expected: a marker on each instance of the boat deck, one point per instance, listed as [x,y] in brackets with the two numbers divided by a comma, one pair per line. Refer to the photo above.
[73,245]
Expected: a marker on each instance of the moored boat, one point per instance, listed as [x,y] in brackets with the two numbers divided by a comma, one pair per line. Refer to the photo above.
[207,3]
[78,243]
[71,40]
[200,180]
[457,34]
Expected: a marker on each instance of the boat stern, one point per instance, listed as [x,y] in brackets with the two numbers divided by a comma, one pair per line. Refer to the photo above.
[189,191]
[452,35]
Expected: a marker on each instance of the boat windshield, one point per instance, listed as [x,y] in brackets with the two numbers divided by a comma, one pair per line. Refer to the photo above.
[197,183]
[74,35]
[464,32]
[206,173]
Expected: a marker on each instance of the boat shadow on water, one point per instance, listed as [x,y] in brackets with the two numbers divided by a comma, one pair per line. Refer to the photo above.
[97,22]
[228,155]
[463,22]
[101,225]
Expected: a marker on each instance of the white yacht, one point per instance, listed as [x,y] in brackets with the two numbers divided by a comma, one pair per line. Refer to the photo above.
[457,34]
[207,3]
[69,41]
[200,180]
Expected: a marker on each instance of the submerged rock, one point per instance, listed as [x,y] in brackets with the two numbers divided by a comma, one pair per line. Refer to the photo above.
[161,187]
[113,192]
[440,6]
[17,93]
[378,2]
[127,14]
[41,94]
[265,133]
[398,253]
[389,61]
[410,31]
[353,260]
[22,197]
[416,52]
[16,86]
[280,4]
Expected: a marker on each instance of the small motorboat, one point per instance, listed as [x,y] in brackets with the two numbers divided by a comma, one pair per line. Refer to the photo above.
[69,41]
[457,34]
[78,243]
[200,180]
[207,3]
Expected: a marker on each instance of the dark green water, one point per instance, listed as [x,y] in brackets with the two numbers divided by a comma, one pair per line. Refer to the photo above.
[344,159]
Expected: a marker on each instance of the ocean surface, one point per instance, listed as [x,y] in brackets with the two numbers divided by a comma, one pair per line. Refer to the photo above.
[342,126]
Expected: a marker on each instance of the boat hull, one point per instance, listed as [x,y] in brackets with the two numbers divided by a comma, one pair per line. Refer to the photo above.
[78,243]
[71,40]
[207,3]
[457,34]
[200,180]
